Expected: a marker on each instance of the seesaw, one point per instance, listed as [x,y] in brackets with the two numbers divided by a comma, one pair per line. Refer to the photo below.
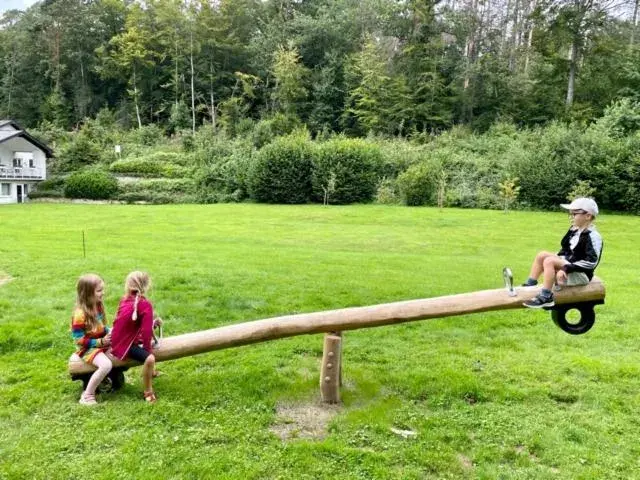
[333,322]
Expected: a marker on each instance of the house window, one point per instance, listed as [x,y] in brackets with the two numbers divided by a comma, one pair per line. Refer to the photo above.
[5,189]
[17,162]
[31,163]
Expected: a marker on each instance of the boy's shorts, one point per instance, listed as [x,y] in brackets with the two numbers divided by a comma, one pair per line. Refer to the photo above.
[576,278]
[137,353]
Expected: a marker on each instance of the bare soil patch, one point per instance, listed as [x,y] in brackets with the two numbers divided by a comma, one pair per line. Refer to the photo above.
[303,421]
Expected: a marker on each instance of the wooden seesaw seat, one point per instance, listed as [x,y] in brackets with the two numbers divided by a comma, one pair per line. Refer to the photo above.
[582,298]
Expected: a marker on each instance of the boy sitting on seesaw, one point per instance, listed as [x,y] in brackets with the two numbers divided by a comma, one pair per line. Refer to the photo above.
[577,259]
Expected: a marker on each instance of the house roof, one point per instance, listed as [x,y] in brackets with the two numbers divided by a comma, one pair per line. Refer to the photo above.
[19,132]
[9,122]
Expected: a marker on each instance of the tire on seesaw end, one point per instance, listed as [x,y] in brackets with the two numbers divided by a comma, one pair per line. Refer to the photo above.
[587,318]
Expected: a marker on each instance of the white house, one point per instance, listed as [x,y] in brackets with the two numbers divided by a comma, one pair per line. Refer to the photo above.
[23,162]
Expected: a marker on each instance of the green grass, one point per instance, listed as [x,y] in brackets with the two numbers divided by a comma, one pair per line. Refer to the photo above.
[494,395]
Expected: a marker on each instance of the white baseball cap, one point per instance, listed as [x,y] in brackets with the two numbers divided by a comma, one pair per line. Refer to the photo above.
[589,205]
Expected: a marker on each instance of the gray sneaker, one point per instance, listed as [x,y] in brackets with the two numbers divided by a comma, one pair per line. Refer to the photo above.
[540,302]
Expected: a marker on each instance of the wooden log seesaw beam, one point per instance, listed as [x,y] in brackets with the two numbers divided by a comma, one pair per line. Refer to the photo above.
[332,321]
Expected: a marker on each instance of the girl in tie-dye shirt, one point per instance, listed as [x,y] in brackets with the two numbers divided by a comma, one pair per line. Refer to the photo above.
[91,335]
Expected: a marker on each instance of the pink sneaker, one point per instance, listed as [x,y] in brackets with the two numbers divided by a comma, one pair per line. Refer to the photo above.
[87,399]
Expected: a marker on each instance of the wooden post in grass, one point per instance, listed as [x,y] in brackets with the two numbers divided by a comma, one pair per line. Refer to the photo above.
[331,367]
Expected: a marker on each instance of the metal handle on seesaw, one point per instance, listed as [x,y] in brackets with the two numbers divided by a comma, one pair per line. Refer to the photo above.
[508,282]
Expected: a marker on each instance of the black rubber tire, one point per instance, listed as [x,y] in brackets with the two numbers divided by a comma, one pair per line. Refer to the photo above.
[117,378]
[84,379]
[587,319]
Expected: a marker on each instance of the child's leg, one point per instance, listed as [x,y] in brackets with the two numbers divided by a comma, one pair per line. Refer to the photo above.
[537,267]
[551,266]
[104,367]
[147,372]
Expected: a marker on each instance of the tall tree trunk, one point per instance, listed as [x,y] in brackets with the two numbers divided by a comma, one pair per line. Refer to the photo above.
[470,46]
[193,93]
[175,77]
[573,60]
[634,24]
[10,88]
[514,35]
[527,54]
[505,30]
[135,97]
[213,105]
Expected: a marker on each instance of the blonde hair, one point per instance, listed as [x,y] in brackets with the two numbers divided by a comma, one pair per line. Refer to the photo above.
[86,298]
[137,283]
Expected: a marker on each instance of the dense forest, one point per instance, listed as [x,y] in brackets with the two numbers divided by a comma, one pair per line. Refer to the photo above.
[394,67]
[481,104]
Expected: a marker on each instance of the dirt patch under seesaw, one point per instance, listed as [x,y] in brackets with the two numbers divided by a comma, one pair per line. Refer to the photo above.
[303,421]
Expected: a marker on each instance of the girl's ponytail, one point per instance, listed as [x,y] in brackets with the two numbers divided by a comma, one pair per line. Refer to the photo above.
[138,283]
[134,316]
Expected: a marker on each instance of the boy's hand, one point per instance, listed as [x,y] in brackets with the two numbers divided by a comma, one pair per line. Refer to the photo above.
[157,322]
[561,277]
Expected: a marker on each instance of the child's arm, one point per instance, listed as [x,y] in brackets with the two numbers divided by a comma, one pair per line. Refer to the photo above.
[79,333]
[146,326]
[593,247]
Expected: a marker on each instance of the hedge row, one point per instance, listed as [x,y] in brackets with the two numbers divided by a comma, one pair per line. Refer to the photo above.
[148,167]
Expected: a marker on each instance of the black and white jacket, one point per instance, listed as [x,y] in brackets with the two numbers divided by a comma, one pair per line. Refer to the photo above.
[582,254]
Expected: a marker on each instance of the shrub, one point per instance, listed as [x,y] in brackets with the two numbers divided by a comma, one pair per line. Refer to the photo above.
[472,181]
[158,191]
[558,157]
[53,187]
[398,155]
[270,128]
[149,135]
[91,184]
[45,194]
[52,183]
[80,152]
[148,167]
[418,184]
[210,148]
[282,171]
[225,181]
[620,119]
[386,193]
[353,163]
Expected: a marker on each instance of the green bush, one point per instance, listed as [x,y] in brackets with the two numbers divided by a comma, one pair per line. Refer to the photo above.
[158,191]
[53,187]
[398,155]
[91,184]
[282,171]
[270,128]
[620,119]
[557,157]
[471,181]
[149,135]
[386,193]
[418,184]
[210,147]
[80,152]
[45,194]
[352,165]
[226,180]
[149,167]
[52,183]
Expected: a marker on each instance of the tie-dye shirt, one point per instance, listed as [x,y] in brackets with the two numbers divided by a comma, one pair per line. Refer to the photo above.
[87,341]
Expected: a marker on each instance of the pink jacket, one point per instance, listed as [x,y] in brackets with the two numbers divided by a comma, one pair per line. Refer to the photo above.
[125,330]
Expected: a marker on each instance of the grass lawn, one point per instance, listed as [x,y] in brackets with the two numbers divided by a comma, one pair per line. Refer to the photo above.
[494,395]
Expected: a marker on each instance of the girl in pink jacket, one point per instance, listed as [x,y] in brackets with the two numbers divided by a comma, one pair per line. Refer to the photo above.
[133,329]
